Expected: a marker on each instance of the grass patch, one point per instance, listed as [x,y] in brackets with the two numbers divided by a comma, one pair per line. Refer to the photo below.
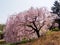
[48,32]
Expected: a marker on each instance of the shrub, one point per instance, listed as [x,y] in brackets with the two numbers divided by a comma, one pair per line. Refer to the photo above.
[55,29]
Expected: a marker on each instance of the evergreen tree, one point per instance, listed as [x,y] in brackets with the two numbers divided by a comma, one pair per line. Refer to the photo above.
[56,10]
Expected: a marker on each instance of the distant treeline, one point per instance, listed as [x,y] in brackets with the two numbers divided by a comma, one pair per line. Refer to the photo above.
[1,26]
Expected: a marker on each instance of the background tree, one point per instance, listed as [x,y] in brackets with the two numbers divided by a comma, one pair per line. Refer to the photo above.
[1,27]
[1,30]
[28,24]
[56,10]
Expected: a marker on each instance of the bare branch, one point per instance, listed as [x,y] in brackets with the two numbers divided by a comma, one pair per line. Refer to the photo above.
[41,26]
[31,27]
[35,25]
[29,30]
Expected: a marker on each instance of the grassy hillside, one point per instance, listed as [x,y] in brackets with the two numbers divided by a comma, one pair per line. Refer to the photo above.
[51,38]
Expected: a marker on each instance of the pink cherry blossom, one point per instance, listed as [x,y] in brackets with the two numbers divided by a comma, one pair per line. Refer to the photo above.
[27,24]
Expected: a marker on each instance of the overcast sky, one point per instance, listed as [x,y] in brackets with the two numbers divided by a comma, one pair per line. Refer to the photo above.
[9,7]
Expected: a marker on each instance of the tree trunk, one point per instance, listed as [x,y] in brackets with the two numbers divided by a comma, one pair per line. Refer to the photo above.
[59,25]
[37,32]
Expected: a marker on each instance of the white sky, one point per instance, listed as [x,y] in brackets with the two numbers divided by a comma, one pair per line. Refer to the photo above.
[8,7]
